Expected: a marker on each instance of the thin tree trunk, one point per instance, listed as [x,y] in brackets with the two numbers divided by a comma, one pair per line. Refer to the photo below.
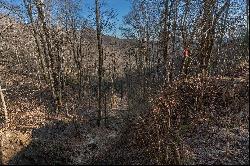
[4,106]
[1,149]
[166,37]
[247,12]
[48,47]
[100,60]
[105,108]
[37,41]
[174,41]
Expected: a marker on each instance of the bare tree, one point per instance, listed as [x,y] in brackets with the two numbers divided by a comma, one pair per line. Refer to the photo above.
[247,12]
[4,107]
[209,21]
[100,59]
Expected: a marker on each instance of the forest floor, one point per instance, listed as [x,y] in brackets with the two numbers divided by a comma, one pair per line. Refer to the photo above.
[37,136]
[219,137]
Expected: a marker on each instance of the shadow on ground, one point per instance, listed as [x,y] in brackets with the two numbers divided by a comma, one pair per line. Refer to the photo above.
[77,143]
[51,144]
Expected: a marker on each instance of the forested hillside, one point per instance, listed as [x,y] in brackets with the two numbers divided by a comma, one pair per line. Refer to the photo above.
[172,87]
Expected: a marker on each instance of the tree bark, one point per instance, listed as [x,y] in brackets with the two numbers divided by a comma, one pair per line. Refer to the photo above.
[247,12]
[37,41]
[100,59]
[166,37]
[210,21]
[4,105]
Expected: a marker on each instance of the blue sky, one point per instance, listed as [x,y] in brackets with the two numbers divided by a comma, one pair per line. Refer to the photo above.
[122,7]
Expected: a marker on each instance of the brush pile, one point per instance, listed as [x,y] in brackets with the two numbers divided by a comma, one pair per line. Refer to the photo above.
[194,121]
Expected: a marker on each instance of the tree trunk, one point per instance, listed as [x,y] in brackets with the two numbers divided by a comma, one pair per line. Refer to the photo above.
[247,12]
[166,38]
[4,105]
[210,21]
[37,41]
[100,60]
